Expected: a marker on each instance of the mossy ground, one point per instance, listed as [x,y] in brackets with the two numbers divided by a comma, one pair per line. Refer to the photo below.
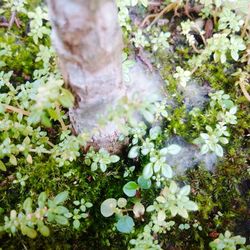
[223,196]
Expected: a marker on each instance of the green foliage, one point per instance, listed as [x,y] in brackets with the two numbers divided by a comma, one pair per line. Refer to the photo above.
[80,212]
[228,19]
[40,157]
[100,159]
[30,221]
[183,76]
[174,200]
[211,140]
[226,241]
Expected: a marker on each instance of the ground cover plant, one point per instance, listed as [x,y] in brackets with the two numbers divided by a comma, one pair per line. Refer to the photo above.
[180,176]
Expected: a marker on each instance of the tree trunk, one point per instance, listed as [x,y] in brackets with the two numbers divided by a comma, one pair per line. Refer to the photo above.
[88,40]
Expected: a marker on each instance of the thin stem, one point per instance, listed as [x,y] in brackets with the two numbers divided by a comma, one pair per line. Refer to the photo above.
[195,48]
[44,151]
[12,20]
[194,69]
[16,110]
[51,144]
[169,7]
[4,25]
[243,88]
[58,111]
[244,29]
[146,19]
[154,3]
[215,15]
[156,17]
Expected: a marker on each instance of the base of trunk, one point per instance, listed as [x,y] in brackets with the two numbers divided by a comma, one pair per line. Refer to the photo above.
[144,86]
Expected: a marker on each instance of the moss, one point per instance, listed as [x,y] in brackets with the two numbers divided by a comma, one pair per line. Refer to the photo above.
[226,191]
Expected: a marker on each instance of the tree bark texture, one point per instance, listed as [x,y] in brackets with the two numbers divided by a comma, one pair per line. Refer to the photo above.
[88,41]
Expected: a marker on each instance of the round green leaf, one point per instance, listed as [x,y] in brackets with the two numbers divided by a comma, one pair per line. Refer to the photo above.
[61,210]
[125,224]
[144,183]
[190,205]
[130,188]
[122,202]
[66,98]
[108,207]
[13,160]
[204,149]
[27,205]
[30,232]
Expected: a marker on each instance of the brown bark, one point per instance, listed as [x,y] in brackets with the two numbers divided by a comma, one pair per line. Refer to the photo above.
[88,40]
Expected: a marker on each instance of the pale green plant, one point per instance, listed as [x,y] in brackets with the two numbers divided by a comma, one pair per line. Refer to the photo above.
[228,117]
[80,212]
[127,64]
[69,147]
[21,179]
[128,171]
[100,159]
[226,110]
[219,45]
[157,168]
[159,40]
[30,221]
[16,5]
[161,111]
[138,133]
[45,54]
[183,76]
[171,202]
[140,40]
[111,206]
[228,19]
[5,50]
[37,29]
[123,11]
[228,242]
[211,141]
[50,94]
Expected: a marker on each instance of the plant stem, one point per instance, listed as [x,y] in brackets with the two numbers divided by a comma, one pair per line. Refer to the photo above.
[243,88]
[16,110]
[64,127]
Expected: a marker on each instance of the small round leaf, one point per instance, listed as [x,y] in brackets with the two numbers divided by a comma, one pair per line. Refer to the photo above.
[130,188]
[108,207]
[125,224]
